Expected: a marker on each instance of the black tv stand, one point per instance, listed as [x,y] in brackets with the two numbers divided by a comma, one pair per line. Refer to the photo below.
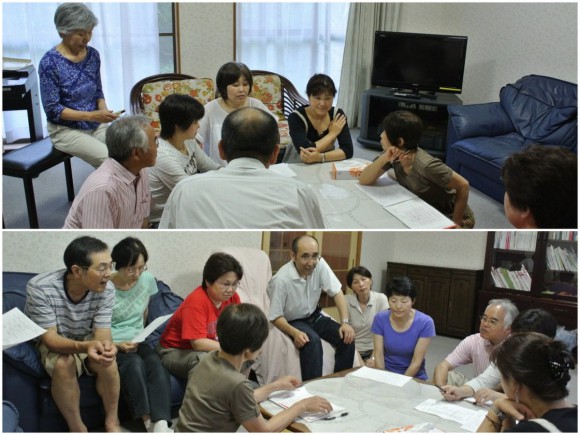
[432,109]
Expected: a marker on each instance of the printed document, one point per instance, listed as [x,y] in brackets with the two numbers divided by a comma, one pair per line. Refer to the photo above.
[150,328]
[18,328]
[381,376]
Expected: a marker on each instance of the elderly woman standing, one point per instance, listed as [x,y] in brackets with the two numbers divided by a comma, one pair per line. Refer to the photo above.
[535,371]
[234,83]
[71,90]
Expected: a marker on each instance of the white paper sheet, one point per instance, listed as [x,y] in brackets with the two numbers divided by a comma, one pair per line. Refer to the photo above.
[387,192]
[468,418]
[150,328]
[417,214]
[18,328]
[287,398]
[381,376]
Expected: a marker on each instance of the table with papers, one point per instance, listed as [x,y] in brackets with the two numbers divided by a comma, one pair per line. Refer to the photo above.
[380,401]
[347,204]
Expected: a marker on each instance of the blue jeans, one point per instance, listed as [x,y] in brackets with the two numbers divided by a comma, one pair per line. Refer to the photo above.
[145,383]
[317,327]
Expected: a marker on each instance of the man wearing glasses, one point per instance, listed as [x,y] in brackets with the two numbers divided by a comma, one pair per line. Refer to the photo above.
[116,194]
[75,305]
[494,328]
[294,293]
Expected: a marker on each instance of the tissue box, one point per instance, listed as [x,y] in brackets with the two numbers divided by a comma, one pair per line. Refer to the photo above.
[349,169]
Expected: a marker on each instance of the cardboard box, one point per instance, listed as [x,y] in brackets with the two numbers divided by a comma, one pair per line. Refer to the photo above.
[349,169]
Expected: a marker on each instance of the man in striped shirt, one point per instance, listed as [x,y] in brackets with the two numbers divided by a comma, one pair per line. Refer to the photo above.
[117,194]
[494,328]
[75,306]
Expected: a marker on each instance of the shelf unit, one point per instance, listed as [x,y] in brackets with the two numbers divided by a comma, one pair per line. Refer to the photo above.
[550,260]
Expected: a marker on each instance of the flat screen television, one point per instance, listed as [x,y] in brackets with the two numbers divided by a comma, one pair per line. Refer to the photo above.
[418,62]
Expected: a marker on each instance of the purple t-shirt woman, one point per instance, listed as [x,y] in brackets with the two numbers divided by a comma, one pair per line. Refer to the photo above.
[400,346]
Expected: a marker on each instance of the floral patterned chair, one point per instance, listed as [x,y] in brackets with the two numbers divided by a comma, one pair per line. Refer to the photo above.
[281,97]
[148,93]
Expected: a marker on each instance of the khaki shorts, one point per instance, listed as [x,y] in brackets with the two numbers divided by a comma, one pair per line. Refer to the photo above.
[48,360]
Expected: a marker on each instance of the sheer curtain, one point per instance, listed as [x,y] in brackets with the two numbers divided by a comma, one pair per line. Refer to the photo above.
[363,20]
[126,37]
[295,40]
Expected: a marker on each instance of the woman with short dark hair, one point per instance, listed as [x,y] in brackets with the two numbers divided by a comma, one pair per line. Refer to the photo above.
[145,382]
[402,334]
[191,331]
[535,371]
[179,155]
[316,128]
[71,89]
[234,84]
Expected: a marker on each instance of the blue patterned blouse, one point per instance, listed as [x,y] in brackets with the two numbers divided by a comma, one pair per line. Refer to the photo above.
[66,84]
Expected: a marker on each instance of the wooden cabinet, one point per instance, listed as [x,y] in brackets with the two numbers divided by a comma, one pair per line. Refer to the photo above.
[447,295]
[340,249]
[545,268]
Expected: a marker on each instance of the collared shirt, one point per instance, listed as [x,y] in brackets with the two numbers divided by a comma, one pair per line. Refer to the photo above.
[490,378]
[111,197]
[361,321]
[473,349]
[245,194]
[294,297]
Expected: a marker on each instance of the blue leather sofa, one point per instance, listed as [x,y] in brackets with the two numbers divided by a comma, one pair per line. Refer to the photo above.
[533,110]
[26,384]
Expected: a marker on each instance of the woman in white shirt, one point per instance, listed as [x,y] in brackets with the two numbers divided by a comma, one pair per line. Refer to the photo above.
[179,155]
[362,307]
[234,83]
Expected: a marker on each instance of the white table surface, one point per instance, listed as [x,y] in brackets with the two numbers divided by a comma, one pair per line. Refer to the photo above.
[343,204]
[374,406]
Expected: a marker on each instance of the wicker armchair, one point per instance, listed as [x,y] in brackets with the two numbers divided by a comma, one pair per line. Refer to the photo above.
[291,98]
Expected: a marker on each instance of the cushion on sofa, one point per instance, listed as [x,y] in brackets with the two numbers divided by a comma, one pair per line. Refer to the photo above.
[161,303]
[542,109]
[487,119]
[268,89]
[203,90]
[493,150]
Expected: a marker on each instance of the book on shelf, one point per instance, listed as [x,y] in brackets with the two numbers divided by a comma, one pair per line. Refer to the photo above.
[561,259]
[512,279]
[515,240]
[570,236]
[349,169]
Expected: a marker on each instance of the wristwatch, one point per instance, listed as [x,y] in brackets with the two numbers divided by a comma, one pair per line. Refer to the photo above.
[500,414]
[347,321]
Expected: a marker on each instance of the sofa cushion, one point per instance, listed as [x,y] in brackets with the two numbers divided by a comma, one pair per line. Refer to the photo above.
[203,90]
[473,120]
[268,89]
[25,357]
[161,303]
[491,149]
[540,107]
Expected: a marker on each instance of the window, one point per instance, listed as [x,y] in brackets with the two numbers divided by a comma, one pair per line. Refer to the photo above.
[167,37]
[295,40]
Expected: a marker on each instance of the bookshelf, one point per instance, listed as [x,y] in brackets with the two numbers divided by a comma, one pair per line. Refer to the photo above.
[535,269]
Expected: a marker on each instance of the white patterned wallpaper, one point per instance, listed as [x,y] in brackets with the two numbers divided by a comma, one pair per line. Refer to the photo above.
[178,257]
[506,40]
[206,37]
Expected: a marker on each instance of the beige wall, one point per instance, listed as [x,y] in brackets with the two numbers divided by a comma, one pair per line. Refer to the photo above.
[178,257]
[506,40]
[206,33]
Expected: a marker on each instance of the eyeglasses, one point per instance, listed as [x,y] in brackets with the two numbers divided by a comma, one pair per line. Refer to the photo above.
[134,269]
[226,285]
[491,322]
[306,257]
[102,268]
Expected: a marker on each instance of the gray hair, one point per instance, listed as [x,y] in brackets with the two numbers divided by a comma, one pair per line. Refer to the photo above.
[509,308]
[125,135]
[74,16]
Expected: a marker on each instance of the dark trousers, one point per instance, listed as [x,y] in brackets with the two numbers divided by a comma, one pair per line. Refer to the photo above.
[145,383]
[317,327]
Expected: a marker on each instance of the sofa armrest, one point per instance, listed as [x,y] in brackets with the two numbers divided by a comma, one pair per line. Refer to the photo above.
[474,120]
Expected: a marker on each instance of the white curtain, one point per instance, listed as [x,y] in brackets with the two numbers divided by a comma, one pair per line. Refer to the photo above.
[363,20]
[126,37]
[296,40]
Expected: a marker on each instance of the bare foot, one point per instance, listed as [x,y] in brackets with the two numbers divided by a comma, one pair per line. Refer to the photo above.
[113,426]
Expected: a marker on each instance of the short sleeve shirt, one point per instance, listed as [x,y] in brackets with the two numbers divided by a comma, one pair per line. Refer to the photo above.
[195,318]
[48,305]
[361,321]
[473,349]
[130,305]
[294,297]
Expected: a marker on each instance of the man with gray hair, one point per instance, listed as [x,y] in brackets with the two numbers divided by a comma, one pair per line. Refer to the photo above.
[117,194]
[244,194]
[494,328]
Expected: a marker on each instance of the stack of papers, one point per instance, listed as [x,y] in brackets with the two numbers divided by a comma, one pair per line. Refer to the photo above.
[287,398]
[469,419]
[18,328]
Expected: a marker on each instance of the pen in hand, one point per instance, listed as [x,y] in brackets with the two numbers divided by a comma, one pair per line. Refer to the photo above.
[344,414]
